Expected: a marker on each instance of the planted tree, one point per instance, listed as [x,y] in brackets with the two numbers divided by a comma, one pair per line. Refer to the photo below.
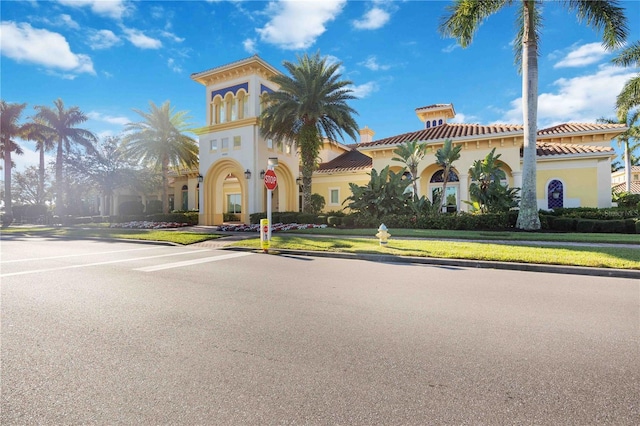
[159,141]
[384,194]
[310,104]
[463,20]
[626,140]
[629,96]
[445,157]
[486,191]
[410,154]
[10,131]
[62,124]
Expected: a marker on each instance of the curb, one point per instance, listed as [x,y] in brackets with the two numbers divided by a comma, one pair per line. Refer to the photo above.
[464,263]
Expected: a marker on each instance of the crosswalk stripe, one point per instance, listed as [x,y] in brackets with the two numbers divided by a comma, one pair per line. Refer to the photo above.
[191,262]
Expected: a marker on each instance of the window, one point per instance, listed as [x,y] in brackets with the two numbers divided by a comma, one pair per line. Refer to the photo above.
[236,142]
[222,113]
[245,106]
[270,143]
[334,196]
[234,203]
[440,122]
[185,197]
[234,111]
[555,195]
[214,146]
[434,123]
[225,144]
[428,124]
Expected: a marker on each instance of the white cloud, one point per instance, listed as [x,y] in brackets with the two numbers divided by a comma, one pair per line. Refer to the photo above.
[98,116]
[450,48]
[373,65]
[250,46]
[174,67]
[586,54]
[297,24]
[109,8]
[172,36]
[68,22]
[363,90]
[139,39]
[103,39]
[580,99]
[372,20]
[24,43]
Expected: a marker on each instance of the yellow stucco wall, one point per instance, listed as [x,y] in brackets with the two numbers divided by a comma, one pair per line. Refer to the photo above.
[324,183]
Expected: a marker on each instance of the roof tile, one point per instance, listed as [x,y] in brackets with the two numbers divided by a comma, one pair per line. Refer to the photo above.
[349,161]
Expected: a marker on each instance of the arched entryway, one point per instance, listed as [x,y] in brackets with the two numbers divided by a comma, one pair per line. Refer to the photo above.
[225,194]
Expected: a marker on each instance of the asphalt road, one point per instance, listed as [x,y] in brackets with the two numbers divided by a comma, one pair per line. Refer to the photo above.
[124,333]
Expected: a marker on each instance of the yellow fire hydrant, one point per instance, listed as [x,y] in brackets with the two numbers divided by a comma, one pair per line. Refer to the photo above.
[383,235]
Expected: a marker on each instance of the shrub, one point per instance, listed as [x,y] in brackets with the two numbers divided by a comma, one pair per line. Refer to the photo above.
[637,226]
[154,206]
[348,221]
[334,221]
[612,226]
[230,217]
[564,224]
[586,225]
[131,207]
[306,218]
[317,203]
[630,226]
[322,219]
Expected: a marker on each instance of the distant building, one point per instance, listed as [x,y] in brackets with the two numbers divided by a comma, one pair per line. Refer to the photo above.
[618,180]
[573,160]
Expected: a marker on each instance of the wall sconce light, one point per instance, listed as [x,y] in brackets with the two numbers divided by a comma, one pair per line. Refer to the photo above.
[555,194]
[262,172]
[247,174]
[200,178]
[299,181]
[272,162]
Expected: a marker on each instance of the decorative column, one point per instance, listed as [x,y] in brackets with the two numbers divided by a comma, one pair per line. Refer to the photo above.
[464,192]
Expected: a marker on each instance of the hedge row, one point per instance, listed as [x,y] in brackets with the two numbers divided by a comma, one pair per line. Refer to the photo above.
[570,224]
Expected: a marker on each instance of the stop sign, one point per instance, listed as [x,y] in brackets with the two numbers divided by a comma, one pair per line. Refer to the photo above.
[270,180]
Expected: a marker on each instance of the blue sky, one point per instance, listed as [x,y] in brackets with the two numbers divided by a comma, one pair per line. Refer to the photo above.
[110,57]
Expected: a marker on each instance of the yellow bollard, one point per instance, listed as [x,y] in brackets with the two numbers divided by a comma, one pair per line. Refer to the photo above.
[264,235]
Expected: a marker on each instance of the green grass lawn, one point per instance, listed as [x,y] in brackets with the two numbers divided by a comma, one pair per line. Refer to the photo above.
[172,236]
[416,242]
[602,257]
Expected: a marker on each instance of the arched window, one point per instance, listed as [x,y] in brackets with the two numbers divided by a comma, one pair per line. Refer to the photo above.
[453,187]
[440,122]
[555,194]
[242,104]
[434,123]
[428,124]
[229,106]
[185,197]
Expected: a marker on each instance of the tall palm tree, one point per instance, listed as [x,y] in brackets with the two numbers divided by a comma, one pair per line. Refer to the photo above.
[45,141]
[61,123]
[626,140]
[310,104]
[445,157]
[410,154]
[160,141]
[463,19]
[9,131]
[629,97]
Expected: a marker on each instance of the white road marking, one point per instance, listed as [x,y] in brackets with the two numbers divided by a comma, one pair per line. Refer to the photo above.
[191,262]
[80,254]
[11,274]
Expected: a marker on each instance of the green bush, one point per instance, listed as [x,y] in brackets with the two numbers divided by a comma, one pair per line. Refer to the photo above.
[307,218]
[334,221]
[348,221]
[131,208]
[630,226]
[322,219]
[230,217]
[153,207]
[637,226]
[612,226]
[564,224]
[586,225]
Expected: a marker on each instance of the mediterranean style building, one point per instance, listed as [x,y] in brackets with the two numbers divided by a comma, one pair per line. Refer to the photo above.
[573,160]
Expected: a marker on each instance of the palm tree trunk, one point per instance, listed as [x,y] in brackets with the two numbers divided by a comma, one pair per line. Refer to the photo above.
[165,185]
[528,218]
[445,181]
[59,181]
[627,167]
[8,212]
[41,175]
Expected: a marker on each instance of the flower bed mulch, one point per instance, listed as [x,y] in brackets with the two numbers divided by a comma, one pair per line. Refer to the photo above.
[148,225]
[274,228]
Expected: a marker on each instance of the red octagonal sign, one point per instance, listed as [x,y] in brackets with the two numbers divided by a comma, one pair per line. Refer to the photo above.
[270,180]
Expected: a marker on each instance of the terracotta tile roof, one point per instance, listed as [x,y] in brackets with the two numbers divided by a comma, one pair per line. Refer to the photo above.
[621,187]
[579,127]
[434,106]
[545,149]
[446,131]
[349,161]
